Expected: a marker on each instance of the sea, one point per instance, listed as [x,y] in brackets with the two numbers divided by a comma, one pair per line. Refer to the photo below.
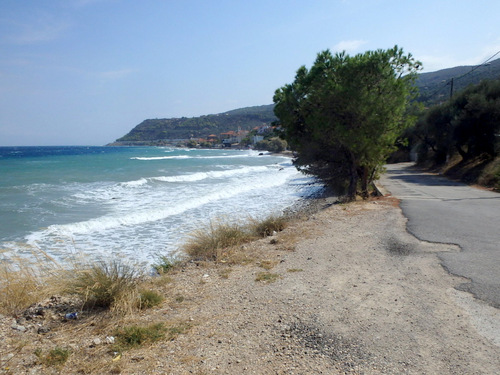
[134,203]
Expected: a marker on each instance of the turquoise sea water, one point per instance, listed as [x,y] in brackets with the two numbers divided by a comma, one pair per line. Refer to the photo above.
[133,202]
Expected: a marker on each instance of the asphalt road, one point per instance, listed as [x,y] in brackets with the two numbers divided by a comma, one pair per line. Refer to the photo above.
[440,210]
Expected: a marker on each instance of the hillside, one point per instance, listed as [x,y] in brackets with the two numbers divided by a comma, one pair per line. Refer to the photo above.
[155,130]
[434,88]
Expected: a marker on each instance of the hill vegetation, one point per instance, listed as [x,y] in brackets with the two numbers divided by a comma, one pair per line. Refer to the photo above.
[435,87]
[461,136]
[158,131]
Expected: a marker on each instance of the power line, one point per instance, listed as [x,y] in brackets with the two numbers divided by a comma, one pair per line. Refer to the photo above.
[454,79]
[476,67]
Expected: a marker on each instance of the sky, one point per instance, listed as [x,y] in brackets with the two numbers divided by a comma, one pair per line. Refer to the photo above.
[85,72]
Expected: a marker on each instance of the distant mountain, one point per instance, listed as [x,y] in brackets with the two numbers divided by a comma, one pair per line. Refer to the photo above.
[434,88]
[164,130]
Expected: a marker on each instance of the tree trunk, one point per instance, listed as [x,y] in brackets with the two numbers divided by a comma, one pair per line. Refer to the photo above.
[364,182]
[462,153]
[353,180]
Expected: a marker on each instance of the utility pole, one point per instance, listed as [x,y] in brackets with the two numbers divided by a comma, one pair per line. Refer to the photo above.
[451,89]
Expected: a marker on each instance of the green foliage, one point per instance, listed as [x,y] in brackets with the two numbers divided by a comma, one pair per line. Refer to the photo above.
[274,144]
[134,336]
[434,87]
[55,357]
[344,115]
[267,277]
[164,264]
[104,284]
[467,125]
[199,127]
[149,298]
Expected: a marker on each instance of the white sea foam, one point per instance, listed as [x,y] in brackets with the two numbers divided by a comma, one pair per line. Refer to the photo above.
[160,157]
[98,212]
[139,182]
[225,155]
[132,215]
[212,174]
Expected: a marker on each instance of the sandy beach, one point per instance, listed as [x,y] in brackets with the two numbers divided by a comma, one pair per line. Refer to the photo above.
[351,292]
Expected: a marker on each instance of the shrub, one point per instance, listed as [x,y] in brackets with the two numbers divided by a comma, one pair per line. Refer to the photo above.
[166,263]
[274,144]
[106,285]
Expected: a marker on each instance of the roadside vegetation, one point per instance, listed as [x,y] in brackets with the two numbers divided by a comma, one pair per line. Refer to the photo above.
[461,137]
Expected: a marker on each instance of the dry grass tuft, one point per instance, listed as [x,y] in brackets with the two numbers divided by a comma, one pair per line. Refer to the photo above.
[267,264]
[269,226]
[217,241]
[209,244]
[293,270]
[24,281]
[107,284]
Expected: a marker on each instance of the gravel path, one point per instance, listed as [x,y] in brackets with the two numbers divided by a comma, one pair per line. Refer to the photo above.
[356,295]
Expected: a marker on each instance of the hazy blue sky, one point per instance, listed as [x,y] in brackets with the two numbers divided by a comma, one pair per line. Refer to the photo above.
[85,72]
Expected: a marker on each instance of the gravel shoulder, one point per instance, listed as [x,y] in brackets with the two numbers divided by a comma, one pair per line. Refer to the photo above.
[353,293]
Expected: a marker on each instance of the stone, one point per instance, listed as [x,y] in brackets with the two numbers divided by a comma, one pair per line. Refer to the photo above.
[8,357]
[110,340]
[19,328]
[43,329]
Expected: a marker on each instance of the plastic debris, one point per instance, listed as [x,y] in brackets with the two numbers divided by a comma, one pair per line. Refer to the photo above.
[70,316]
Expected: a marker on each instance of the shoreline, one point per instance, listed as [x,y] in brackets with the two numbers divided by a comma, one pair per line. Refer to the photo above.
[74,214]
[354,293]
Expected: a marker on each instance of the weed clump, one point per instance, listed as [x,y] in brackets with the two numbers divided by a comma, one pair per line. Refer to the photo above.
[55,357]
[165,264]
[109,285]
[135,336]
[149,298]
[207,244]
[270,225]
[267,277]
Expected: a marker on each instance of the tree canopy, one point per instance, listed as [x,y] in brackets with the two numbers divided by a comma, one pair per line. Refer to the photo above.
[468,124]
[344,114]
